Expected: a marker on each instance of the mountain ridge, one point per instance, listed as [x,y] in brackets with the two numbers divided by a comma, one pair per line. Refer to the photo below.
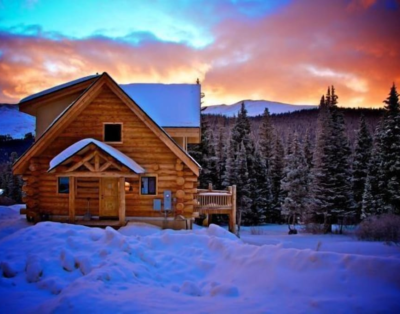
[254,108]
[14,122]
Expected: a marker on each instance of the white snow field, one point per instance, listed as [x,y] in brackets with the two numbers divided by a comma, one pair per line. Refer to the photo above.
[62,268]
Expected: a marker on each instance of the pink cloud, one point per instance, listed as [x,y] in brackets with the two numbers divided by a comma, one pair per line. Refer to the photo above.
[290,56]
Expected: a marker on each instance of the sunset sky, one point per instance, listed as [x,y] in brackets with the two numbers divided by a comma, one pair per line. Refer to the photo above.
[280,50]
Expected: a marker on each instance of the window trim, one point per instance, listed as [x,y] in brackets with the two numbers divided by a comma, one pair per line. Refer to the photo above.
[148,175]
[122,132]
[58,185]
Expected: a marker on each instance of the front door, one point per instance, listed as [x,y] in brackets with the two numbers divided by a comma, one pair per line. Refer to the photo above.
[109,197]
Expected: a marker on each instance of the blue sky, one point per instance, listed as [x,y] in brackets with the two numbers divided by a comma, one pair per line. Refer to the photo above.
[239,49]
[176,21]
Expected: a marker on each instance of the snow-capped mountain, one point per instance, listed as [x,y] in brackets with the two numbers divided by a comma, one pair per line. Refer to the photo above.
[17,123]
[14,122]
[254,108]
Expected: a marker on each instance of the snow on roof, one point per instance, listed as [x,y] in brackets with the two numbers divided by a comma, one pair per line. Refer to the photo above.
[169,105]
[58,87]
[78,146]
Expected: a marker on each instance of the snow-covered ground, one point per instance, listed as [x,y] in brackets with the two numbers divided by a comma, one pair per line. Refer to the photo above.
[53,267]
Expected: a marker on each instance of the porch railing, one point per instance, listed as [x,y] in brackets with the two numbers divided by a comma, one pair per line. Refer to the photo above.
[213,201]
[209,202]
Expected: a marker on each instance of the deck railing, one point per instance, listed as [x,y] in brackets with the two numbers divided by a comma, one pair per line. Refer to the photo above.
[209,202]
[212,201]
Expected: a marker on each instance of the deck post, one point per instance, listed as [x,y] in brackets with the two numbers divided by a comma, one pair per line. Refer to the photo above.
[232,216]
[71,201]
[121,207]
[210,187]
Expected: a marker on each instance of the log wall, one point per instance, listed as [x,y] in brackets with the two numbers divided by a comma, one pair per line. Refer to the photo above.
[139,143]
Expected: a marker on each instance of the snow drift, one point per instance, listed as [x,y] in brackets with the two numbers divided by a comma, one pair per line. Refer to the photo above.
[53,267]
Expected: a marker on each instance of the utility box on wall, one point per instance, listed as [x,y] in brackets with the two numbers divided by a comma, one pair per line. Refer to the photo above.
[157,204]
[167,200]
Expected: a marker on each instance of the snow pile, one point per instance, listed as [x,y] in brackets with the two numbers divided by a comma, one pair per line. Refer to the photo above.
[78,146]
[11,221]
[53,267]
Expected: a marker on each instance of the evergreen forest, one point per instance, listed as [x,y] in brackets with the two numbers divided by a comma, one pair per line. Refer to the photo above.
[317,167]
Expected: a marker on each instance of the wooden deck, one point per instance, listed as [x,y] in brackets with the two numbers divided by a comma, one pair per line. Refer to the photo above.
[211,202]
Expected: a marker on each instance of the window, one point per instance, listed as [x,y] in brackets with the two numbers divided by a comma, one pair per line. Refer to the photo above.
[113,132]
[148,186]
[63,185]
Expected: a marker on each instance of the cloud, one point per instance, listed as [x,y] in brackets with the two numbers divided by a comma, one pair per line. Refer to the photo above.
[358,5]
[289,53]
[31,63]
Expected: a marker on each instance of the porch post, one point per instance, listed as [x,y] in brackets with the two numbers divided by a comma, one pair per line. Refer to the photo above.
[72,199]
[232,218]
[122,209]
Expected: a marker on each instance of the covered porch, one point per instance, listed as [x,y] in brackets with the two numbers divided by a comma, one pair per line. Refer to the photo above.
[95,176]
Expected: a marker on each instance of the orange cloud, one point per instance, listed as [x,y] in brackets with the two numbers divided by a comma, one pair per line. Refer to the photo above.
[290,56]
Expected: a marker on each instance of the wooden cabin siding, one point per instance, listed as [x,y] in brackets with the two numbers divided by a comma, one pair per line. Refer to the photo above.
[139,143]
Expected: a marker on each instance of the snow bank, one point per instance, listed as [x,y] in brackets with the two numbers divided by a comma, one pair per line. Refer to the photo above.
[65,268]
[10,220]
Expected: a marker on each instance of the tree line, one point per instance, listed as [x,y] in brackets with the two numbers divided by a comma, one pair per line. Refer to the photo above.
[318,176]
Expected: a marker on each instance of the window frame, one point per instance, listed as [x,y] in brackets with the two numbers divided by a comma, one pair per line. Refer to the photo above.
[122,132]
[58,185]
[155,176]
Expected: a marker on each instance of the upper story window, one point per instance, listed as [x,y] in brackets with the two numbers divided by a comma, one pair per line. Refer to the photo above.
[112,132]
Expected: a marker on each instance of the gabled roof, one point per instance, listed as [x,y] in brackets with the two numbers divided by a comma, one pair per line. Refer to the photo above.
[57,88]
[78,106]
[169,105]
[82,144]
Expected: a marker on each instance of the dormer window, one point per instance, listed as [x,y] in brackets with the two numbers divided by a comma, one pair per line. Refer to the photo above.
[112,132]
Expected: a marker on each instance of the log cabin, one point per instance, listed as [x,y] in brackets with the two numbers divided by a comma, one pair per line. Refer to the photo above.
[106,154]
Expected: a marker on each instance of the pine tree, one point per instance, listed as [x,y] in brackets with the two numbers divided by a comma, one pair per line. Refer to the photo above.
[243,187]
[277,165]
[205,155]
[372,202]
[343,200]
[331,193]
[295,184]
[322,187]
[266,150]
[260,187]
[289,144]
[267,137]
[230,175]
[221,151]
[390,150]
[242,149]
[308,150]
[361,160]
[241,131]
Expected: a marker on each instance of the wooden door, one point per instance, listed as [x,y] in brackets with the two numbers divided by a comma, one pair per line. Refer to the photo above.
[109,197]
